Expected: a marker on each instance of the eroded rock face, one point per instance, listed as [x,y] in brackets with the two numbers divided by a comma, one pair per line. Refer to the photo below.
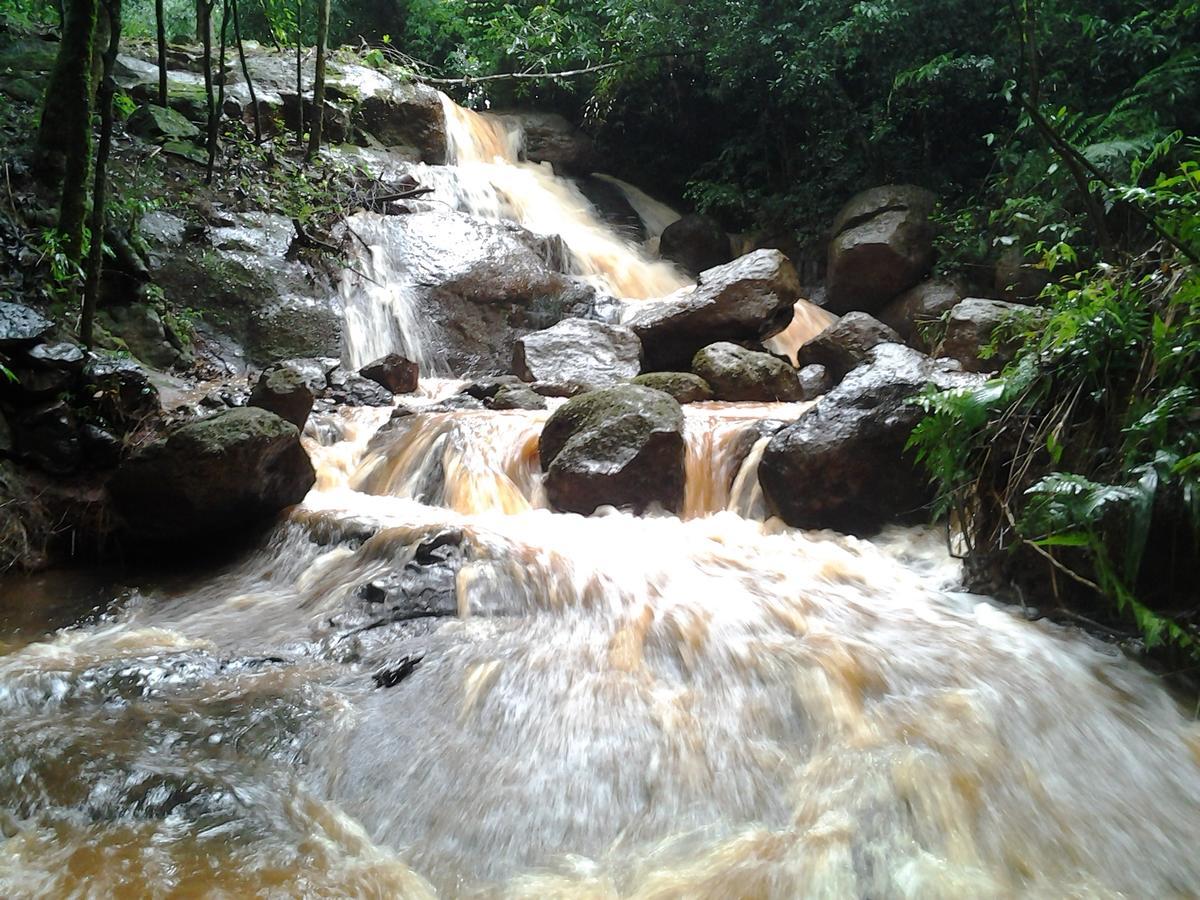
[842,464]
[750,298]
[581,351]
[551,138]
[685,387]
[814,381]
[882,245]
[470,288]
[845,344]
[213,477]
[919,309]
[972,335]
[696,242]
[621,446]
[735,373]
[21,326]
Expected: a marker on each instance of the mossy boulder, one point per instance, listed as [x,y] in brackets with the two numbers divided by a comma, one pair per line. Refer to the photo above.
[621,446]
[685,387]
[212,478]
[155,123]
[738,374]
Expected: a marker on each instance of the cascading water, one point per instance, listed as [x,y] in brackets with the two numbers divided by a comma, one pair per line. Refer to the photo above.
[426,683]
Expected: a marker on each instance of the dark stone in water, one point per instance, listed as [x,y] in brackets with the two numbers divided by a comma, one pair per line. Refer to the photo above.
[394,372]
[393,675]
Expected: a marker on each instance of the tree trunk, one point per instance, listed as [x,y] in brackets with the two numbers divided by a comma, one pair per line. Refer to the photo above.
[160,29]
[91,288]
[214,121]
[209,97]
[299,77]
[64,141]
[203,23]
[237,36]
[318,122]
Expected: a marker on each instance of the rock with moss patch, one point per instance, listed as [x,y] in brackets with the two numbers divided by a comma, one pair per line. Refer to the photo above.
[156,123]
[685,387]
[621,446]
[737,374]
[212,478]
[286,391]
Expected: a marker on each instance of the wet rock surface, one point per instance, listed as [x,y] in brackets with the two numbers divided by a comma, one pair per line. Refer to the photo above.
[750,298]
[393,372]
[212,477]
[882,245]
[845,344]
[590,353]
[917,312]
[696,242]
[685,387]
[286,391]
[621,446]
[843,463]
[737,374]
[983,334]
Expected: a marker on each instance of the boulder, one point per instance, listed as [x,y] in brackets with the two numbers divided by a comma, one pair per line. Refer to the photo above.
[843,463]
[685,387]
[613,206]
[750,298]
[735,373]
[695,242]
[516,397]
[621,446]
[394,372]
[405,115]
[882,245]
[47,436]
[487,388]
[1017,280]
[286,391]
[351,389]
[21,326]
[121,391]
[918,310]
[814,381]
[212,478]
[155,123]
[845,344]
[60,355]
[972,335]
[552,139]
[586,352]
[141,329]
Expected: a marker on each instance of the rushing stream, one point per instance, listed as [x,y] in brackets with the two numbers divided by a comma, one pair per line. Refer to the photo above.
[705,706]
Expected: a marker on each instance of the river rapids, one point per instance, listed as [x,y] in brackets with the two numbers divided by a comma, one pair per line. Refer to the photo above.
[704,706]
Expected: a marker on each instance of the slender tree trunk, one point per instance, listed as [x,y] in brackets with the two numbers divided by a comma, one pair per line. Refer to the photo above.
[299,76]
[209,96]
[237,36]
[64,141]
[160,29]
[318,122]
[203,22]
[214,127]
[91,288]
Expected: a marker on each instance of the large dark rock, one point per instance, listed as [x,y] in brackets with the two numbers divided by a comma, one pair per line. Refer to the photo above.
[882,245]
[351,389]
[516,397]
[974,334]
[737,374]
[155,123]
[750,298]
[843,463]
[21,326]
[1018,280]
[685,387]
[286,391]
[551,138]
[814,381]
[213,477]
[621,446]
[394,372]
[121,391]
[845,344]
[47,436]
[614,207]
[918,310]
[405,115]
[695,242]
[581,351]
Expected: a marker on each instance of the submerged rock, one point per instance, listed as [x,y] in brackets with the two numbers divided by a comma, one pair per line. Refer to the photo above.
[696,242]
[685,387]
[750,298]
[843,463]
[213,477]
[845,344]
[738,374]
[621,446]
[582,351]
[550,138]
[882,245]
